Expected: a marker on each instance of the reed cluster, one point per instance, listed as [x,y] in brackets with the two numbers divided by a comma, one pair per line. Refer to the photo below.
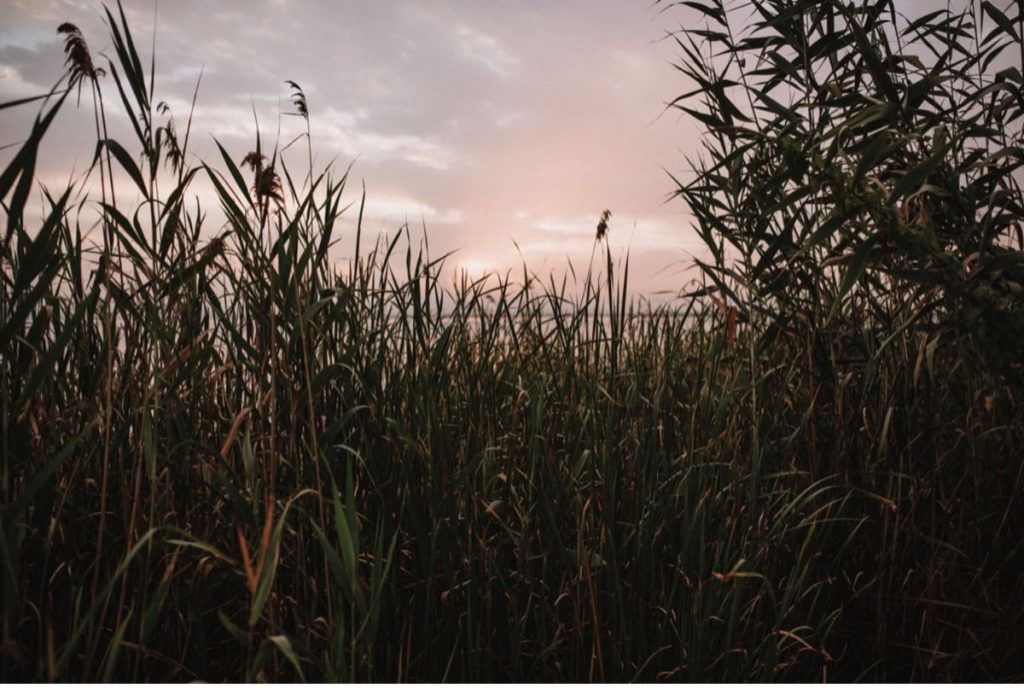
[227,458]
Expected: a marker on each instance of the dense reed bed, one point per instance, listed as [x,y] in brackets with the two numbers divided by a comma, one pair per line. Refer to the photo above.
[226,458]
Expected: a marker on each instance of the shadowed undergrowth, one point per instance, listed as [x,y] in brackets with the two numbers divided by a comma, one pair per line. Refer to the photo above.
[225,458]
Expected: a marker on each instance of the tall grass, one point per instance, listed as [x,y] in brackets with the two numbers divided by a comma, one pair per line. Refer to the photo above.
[226,458]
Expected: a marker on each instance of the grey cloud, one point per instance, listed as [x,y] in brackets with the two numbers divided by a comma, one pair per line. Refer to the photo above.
[473,110]
[40,68]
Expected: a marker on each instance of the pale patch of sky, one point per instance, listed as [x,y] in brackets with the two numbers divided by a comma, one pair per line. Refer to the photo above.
[482,120]
[486,50]
[401,209]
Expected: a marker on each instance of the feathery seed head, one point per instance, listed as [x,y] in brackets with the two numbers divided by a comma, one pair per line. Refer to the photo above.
[78,59]
[255,161]
[268,185]
[602,224]
[299,100]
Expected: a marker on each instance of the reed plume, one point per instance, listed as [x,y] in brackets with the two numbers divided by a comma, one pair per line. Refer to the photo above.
[167,137]
[266,185]
[78,61]
[298,100]
[302,110]
[78,58]
[602,224]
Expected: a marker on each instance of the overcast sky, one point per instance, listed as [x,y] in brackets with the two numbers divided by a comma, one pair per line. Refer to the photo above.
[491,121]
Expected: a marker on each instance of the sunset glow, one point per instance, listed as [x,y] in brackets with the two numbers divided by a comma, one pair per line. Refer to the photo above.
[491,124]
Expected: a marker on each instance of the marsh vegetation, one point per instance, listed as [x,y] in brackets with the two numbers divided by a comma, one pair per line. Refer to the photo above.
[225,457]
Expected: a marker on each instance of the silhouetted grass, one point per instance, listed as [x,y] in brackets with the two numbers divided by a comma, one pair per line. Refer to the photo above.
[225,458]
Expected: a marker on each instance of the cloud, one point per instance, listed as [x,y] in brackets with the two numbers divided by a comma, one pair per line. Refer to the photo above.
[573,226]
[399,208]
[485,49]
[575,235]
[409,148]
[474,267]
[494,121]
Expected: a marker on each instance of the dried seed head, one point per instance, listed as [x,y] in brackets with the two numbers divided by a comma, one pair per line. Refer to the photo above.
[214,248]
[268,185]
[299,100]
[602,224]
[78,59]
[255,161]
[167,138]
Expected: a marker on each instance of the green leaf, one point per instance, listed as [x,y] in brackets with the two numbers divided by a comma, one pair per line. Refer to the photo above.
[867,51]
[325,376]
[12,328]
[23,101]
[127,163]
[269,573]
[1000,19]
[346,541]
[191,541]
[235,173]
[913,178]
[232,628]
[42,370]
[43,249]
[857,265]
[114,650]
[101,600]
[285,646]
[22,168]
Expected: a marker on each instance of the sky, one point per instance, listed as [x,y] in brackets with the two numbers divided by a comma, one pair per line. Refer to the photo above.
[504,127]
